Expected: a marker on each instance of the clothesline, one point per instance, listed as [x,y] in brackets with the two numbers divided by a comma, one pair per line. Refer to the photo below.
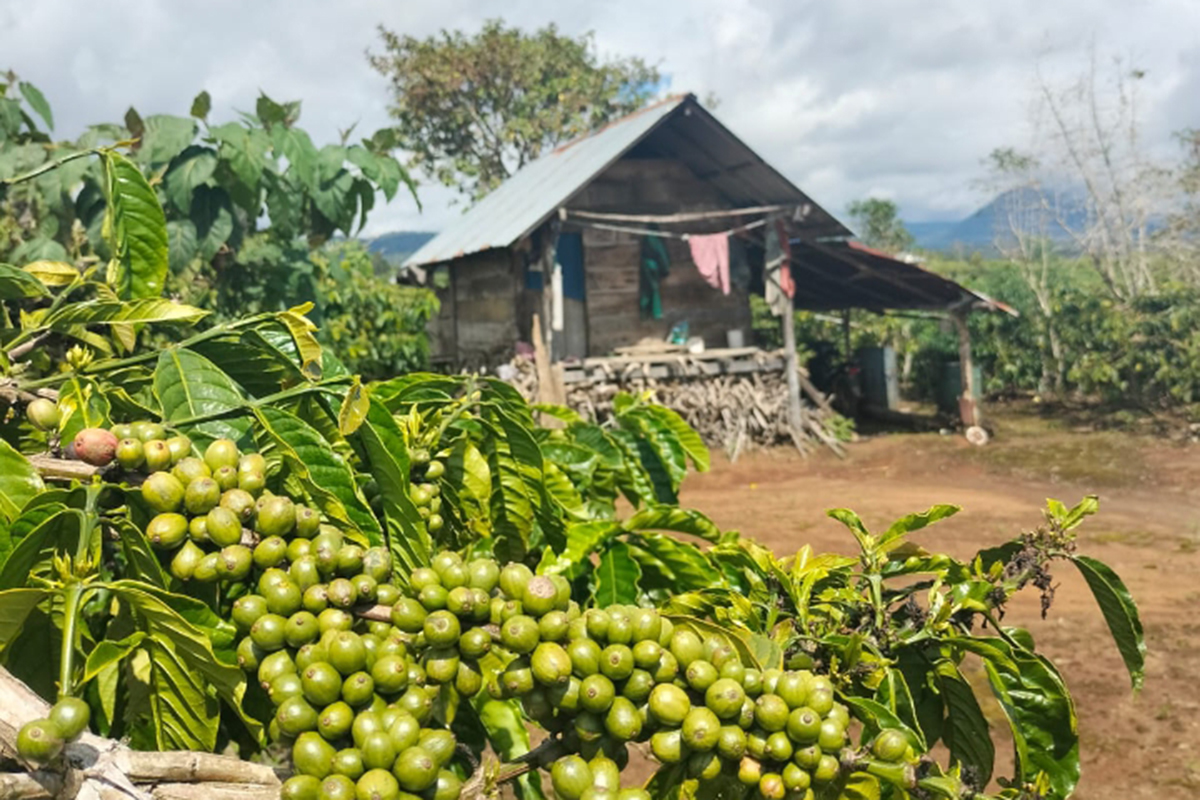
[687,216]
[669,234]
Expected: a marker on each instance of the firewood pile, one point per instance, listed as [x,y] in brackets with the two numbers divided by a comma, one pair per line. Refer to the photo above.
[732,412]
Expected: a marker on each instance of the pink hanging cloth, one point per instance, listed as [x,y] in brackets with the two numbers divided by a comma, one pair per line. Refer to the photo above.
[711,256]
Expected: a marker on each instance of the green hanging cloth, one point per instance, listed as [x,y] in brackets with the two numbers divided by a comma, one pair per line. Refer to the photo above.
[656,263]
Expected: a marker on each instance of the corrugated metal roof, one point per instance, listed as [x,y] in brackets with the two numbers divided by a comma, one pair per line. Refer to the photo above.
[676,127]
[833,276]
[536,191]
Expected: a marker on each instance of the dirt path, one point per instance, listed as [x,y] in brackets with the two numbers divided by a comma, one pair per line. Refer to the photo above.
[1148,530]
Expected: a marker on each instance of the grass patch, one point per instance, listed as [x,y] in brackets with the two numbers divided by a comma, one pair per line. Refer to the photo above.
[1040,448]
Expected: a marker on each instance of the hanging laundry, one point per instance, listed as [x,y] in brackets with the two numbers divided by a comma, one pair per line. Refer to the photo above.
[710,253]
[655,264]
[777,272]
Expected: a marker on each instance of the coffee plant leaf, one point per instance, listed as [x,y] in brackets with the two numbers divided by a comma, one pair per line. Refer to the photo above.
[136,231]
[324,472]
[1041,717]
[1120,612]
[20,482]
[15,607]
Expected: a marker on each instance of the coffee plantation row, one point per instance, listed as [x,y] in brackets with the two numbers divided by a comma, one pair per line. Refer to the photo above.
[217,539]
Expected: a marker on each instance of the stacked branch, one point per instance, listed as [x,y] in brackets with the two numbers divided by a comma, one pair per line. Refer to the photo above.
[733,412]
[95,768]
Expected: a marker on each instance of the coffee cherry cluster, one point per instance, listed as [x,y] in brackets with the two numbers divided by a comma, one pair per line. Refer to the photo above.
[40,741]
[423,488]
[622,674]
[211,512]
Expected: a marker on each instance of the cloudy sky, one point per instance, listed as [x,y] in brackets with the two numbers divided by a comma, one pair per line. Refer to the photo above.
[849,98]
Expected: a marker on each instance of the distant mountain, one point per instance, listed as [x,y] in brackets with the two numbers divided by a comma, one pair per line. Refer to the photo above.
[979,230]
[399,245]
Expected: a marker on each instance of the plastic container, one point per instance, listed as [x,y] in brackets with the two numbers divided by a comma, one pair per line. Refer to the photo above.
[735,337]
[949,388]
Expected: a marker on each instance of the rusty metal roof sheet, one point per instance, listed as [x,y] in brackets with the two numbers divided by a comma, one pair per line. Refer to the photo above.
[677,127]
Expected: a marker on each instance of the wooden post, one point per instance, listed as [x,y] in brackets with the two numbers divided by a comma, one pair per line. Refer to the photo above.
[795,413]
[968,409]
[846,353]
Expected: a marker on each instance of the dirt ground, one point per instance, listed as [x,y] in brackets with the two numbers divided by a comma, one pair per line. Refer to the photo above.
[1148,530]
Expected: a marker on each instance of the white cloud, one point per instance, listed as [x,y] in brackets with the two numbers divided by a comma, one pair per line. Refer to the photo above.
[898,98]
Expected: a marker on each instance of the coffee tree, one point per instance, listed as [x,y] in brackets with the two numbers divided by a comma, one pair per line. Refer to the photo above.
[229,541]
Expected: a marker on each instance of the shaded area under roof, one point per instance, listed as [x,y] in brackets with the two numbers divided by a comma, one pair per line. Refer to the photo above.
[676,127]
[834,276]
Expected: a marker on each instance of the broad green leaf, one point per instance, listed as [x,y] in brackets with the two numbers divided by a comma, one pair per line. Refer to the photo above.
[83,405]
[1041,716]
[56,535]
[689,568]
[966,733]
[37,101]
[1120,612]
[766,651]
[659,450]
[111,312]
[515,463]
[322,471]
[185,715]
[243,149]
[191,169]
[52,273]
[296,146]
[19,482]
[616,577]
[182,245]
[672,518]
[137,231]
[641,476]
[213,215]
[387,461]
[165,137]
[688,438]
[188,386]
[32,655]
[222,634]
[509,737]
[893,692]
[15,607]
[139,555]
[17,284]
[110,652]
[914,522]
[582,538]
[190,646]
[354,408]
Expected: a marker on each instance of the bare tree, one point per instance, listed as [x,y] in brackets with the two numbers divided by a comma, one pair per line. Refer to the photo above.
[1026,211]
[1096,180]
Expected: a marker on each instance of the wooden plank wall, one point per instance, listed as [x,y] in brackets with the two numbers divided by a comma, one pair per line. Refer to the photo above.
[611,260]
[483,310]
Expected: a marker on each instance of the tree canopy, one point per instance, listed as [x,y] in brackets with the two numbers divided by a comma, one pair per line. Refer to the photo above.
[474,108]
[878,224]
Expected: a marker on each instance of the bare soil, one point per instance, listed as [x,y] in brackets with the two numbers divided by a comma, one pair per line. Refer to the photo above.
[1148,530]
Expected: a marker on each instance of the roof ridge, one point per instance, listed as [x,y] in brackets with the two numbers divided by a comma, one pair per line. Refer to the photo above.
[671,98]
